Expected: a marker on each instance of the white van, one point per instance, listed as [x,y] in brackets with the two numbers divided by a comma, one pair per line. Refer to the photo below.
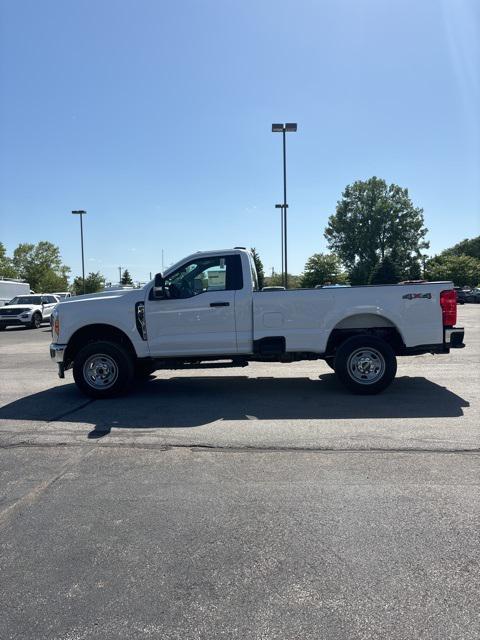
[10,287]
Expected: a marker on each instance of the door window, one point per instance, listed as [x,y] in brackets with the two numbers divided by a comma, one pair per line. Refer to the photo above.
[214,273]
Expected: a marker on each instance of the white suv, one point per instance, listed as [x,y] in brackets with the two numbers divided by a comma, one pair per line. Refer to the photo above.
[27,311]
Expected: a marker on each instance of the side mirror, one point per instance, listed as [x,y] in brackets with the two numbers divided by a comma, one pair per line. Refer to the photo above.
[159,287]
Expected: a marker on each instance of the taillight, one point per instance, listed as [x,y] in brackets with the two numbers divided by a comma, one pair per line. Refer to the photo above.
[448,302]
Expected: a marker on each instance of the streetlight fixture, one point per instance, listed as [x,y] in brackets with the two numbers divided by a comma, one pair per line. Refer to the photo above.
[288,127]
[81,213]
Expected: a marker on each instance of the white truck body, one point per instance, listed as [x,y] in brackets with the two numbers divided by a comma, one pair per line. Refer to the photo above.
[219,314]
[9,288]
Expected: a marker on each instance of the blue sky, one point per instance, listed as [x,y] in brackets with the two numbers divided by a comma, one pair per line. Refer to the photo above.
[155,117]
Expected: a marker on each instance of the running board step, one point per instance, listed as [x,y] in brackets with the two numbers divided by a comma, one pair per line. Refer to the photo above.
[201,364]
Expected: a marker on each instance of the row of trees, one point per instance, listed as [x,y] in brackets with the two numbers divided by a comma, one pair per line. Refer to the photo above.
[376,236]
[41,266]
[38,264]
[94,282]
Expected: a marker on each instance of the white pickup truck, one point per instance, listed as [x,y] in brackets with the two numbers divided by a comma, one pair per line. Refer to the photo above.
[208,308]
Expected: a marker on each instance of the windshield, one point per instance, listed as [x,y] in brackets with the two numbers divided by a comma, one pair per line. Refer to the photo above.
[26,300]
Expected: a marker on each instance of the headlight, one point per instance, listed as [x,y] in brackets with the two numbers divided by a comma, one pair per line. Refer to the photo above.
[55,322]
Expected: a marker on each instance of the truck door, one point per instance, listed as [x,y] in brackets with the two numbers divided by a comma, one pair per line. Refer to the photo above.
[197,314]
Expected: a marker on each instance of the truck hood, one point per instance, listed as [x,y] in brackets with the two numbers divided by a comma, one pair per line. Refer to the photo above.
[115,308]
[120,295]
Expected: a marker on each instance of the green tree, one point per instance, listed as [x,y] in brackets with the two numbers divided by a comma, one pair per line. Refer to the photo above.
[7,270]
[258,267]
[93,282]
[322,268]
[41,266]
[468,247]
[126,278]
[276,280]
[360,273]
[414,271]
[374,220]
[386,272]
[462,270]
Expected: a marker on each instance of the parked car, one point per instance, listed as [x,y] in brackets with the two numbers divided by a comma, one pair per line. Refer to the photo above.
[461,295]
[27,311]
[62,295]
[178,321]
[330,286]
[473,296]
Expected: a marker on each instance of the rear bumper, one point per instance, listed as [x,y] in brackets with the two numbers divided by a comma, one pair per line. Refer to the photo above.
[454,336]
[452,339]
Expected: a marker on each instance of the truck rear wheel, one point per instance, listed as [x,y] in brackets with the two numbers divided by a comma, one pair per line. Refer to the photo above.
[365,364]
[103,369]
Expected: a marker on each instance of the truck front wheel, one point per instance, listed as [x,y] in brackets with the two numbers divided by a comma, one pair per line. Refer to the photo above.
[365,364]
[103,369]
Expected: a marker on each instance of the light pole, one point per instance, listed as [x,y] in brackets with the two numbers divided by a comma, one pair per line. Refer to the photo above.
[282,223]
[81,213]
[283,129]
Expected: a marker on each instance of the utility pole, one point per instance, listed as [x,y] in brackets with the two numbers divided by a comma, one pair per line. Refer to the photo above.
[283,129]
[81,213]
[119,275]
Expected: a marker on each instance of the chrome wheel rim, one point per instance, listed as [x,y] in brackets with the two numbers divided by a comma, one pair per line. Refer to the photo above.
[100,371]
[366,365]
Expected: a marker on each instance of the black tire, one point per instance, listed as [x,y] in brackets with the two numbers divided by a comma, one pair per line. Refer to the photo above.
[331,362]
[2,327]
[103,369]
[365,364]
[36,321]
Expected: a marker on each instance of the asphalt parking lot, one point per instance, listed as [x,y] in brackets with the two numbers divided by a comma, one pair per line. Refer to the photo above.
[263,502]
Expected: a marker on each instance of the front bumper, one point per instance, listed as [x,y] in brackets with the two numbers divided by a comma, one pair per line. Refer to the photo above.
[57,352]
[14,321]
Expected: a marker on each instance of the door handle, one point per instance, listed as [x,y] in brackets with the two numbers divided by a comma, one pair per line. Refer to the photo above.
[219,304]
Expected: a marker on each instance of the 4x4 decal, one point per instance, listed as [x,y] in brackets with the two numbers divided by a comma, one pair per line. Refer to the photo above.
[414,296]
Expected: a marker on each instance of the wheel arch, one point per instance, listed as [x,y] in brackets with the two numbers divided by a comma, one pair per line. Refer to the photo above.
[371,324]
[92,333]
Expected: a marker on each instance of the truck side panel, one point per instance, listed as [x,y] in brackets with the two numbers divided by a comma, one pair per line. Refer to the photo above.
[306,317]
